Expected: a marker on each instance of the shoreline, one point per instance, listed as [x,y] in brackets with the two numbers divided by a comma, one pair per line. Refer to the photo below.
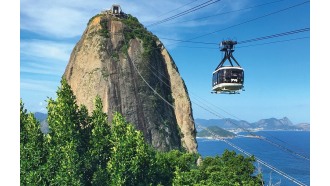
[248,135]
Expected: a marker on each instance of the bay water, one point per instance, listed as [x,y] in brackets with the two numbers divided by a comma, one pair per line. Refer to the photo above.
[287,151]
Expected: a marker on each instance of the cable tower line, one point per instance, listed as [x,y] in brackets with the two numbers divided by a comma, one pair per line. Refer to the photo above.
[216,48]
[221,117]
[248,154]
[223,13]
[210,110]
[248,40]
[257,159]
[178,8]
[198,7]
[275,35]
[281,41]
[248,21]
[264,163]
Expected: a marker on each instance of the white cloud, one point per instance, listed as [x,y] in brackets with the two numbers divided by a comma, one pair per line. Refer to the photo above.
[40,57]
[44,68]
[66,19]
[47,49]
[60,19]
[39,85]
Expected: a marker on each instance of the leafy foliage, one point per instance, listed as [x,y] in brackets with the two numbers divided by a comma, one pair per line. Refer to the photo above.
[131,156]
[168,162]
[134,29]
[229,169]
[104,28]
[85,137]
[64,139]
[85,150]
[31,149]
[100,145]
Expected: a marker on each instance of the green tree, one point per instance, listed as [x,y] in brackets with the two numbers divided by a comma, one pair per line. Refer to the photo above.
[131,157]
[32,155]
[83,148]
[229,169]
[100,146]
[168,162]
[63,140]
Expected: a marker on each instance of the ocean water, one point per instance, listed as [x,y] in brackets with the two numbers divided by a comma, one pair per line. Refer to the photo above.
[287,151]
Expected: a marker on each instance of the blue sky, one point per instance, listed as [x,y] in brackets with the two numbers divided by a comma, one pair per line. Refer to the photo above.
[277,75]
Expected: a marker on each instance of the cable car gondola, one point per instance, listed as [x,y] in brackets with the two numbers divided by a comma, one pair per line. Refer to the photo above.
[228,79]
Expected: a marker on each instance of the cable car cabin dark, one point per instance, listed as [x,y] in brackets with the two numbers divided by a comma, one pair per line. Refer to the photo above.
[228,79]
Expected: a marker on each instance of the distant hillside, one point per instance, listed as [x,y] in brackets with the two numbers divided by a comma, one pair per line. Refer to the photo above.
[40,116]
[216,130]
[263,124]
[304,126]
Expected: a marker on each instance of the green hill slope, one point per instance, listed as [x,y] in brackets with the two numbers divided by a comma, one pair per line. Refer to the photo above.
[216,130]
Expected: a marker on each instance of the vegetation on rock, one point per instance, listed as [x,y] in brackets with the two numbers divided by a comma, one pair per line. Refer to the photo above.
[134,29]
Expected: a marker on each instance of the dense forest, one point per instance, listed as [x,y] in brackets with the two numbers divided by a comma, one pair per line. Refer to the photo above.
[86,149]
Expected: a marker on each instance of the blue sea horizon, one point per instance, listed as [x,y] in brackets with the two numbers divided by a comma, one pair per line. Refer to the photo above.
[287,151]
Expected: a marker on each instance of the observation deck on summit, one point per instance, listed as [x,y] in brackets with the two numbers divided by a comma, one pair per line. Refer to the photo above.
[115,11]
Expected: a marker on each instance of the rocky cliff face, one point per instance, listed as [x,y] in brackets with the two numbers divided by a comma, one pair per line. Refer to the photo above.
[128,67]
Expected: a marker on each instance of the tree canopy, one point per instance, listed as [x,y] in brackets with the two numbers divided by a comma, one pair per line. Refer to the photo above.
[83,149]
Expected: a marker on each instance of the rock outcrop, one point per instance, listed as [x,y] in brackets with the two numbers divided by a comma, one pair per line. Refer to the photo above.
[129,68]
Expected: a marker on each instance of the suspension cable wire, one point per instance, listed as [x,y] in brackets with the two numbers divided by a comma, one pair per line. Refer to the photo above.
[166,83]
[281,41]
[210,110]
[242,128]
[274,35]
[257,159]
[216,48]
[236,147]
[248,40]
[197,42]
[177,8]
[205,107]
[248,21]
[198,7]
[237,118]
[223,13]
[254,135]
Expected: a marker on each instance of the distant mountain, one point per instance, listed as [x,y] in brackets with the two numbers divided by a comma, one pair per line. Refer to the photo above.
[263,124]
[304,126]
[223,123]
[216,130]
[40,116]
[275,124]
[44,127]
